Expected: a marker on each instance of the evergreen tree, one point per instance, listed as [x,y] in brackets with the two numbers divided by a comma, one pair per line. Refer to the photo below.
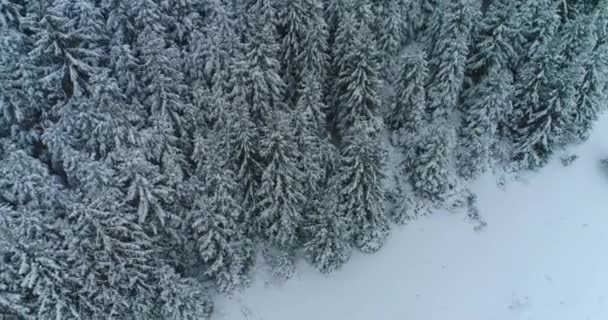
[495,54]
[540,114]
[304,43]
[18,111]
[426,164]
[360,183]
[448,59]
[486,105]
[593,62]
[409,108]
[329,246]
[420,14]
[279,208]
[314,56]
[213,50]
[218,218]
[162,90]
[595,72]
[389,34]
[181,298]
[293,25]
[265,88]
[245,155]
[357,84]
[497,41]
[34,275]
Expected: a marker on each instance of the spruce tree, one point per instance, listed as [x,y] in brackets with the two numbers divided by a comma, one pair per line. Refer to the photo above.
[539,119]
[589,91]
[293,25]
[497,41]
[328,247]
[360,183]
[265,88]
[426,163]
[409,108]
[486,105]
[357,85]
[488,99]
[389,34]
[280,194]
[448,59]
[217,222]
[19,112]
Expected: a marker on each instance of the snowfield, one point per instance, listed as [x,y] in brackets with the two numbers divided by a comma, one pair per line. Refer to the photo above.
[542,257]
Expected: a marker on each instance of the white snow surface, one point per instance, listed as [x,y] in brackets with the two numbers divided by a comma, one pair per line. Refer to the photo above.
[542,256]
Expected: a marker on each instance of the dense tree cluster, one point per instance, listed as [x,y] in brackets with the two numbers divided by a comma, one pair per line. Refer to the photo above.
[150,149]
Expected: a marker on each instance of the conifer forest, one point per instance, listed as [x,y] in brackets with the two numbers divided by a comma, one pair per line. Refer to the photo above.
[152,152]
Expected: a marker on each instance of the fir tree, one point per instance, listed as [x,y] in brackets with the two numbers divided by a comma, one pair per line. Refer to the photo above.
[265,88]
[389,35]
[540,117]
[314,56]
[329,246]
[409,108]
[279,215]
[448,59]
[487,103]
[426,163]
[218,218]
[497,41]
[589,91]
[293,24]
[420,14]
[35,272]
[357,84]
[19,112]
[360,183]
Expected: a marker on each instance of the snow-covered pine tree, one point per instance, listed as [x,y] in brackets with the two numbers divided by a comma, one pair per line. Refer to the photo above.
[595,74]
[576,42]
[180,298]
[328,247]
[426,164]
[280,194]
[357,87]
[244,147]
[18,111]
[304,43]
[265,88]
[312,140]
[540,117]
[447,61]
[218,219]
[217,224]
[390,32]
[341,39]
[65,53]
[34,276]
[213,49]
[10,14]
[293,24]
[485,107]
[420,14]
[497,43]
[409,109]
[360,183]
[314,56]
[110,252]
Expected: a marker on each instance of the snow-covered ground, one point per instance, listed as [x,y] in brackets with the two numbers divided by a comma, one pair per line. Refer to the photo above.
[543,256]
